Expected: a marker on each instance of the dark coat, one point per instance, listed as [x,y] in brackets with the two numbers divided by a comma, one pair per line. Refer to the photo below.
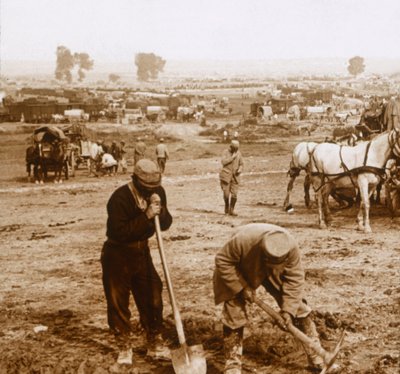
[127,223]
[241,262]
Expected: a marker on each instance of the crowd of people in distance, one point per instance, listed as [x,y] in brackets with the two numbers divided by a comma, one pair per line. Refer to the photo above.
[108,160]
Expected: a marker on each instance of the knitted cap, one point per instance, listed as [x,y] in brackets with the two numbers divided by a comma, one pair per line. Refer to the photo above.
[277,245]
[147,173]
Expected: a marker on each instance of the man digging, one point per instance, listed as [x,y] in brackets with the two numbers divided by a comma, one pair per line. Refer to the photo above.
[268,255]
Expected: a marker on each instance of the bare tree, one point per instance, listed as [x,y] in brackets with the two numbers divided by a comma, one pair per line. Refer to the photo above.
[149,66]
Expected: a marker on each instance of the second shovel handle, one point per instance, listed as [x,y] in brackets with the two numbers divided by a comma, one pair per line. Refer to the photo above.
[291,328]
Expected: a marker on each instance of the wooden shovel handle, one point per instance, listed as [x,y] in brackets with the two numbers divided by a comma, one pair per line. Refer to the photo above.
[177,316]
[292,329]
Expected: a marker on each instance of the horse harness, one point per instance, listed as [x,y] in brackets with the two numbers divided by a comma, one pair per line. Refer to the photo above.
[352,173]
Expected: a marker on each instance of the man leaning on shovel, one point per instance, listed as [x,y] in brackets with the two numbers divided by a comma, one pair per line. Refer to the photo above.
[260,254]
[126,261]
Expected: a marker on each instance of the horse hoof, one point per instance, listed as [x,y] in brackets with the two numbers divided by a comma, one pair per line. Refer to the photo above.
[36,182]
[367,230]
[322,225]
[41,182]
[60,181]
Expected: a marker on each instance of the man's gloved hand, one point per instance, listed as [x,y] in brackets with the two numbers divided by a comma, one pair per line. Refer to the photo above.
[154,207]
[287,318]
[249,294]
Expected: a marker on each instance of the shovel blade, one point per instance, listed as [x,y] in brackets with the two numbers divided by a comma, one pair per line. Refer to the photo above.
[189,360]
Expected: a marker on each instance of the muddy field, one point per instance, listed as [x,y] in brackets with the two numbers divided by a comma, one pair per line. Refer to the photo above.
[50,274]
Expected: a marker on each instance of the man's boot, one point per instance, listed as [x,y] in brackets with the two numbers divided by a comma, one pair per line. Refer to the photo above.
[125,357]
[232,206]
[226,199]
[233,349]
[157,349]
[307,326]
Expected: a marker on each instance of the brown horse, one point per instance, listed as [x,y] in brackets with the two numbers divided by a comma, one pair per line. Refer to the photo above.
[32,159]
[53,157]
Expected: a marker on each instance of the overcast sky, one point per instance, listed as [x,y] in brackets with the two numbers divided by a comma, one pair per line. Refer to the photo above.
[114,30]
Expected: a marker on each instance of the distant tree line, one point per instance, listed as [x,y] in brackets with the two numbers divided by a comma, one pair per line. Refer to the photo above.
[66,62]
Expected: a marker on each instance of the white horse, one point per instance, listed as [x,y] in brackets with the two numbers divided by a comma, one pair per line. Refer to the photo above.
[300,160]
[361,167]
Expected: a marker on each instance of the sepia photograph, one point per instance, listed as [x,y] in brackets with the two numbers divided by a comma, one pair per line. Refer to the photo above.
[199,187]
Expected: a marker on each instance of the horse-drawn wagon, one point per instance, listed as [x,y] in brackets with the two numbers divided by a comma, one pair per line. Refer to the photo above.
[49,153]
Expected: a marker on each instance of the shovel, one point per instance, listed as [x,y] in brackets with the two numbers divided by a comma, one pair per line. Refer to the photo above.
[185,359]
[328,357]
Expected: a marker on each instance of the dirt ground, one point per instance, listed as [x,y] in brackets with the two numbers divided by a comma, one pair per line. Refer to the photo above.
[50,274]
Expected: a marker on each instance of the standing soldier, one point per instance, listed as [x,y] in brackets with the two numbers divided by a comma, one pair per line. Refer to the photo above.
[140,149]
[268,255]
[232,167]
[96,151]
[162,155]
[116,153]
[126,261]
[391,118]
[123,162]
[225,136]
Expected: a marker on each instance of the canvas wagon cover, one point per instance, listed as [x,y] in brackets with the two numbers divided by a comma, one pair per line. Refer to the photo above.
[48,134]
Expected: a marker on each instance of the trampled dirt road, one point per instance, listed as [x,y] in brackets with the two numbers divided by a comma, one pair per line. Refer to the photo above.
[50,274]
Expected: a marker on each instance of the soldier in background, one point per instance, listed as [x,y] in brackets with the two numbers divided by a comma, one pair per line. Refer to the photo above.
[122,162]
[162,155]
[115,151]
[140,150]
[232,167]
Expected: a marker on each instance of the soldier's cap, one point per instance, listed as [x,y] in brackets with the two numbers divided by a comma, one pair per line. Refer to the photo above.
[276,246]
[147,173]
[235,143]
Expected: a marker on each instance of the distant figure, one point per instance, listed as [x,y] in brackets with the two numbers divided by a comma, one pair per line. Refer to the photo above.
[202,119]
[232,167]
[140,150]
[235,135]
[96,152]
[122,163]
[108,164]
[115,151]
[162,155]
[225,136]
[391,118]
